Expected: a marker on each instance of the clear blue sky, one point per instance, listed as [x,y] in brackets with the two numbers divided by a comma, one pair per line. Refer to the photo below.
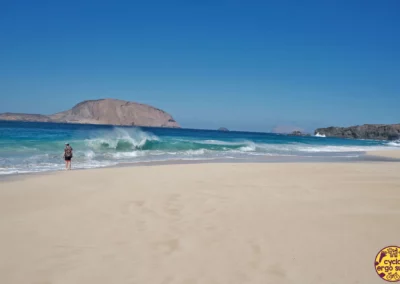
[248,65]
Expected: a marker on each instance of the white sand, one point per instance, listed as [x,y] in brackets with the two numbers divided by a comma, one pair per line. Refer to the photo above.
[205,223]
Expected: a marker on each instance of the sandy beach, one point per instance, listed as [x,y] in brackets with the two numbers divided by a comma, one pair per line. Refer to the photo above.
[201,223]
[386,154]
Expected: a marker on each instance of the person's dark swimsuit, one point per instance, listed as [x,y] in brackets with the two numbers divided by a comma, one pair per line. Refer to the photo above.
[69,150]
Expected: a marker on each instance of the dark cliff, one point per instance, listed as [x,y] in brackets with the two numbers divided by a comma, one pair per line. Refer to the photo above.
[366,131]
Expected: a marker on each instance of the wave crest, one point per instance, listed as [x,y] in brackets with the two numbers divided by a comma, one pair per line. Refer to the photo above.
[121,140]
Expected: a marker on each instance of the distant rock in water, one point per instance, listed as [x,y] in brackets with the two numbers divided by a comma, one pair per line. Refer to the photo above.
[298,133]
[223,129]
[286,129]
[366,131]
[105,111]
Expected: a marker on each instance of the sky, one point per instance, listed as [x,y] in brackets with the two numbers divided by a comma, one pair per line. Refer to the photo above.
[245,65]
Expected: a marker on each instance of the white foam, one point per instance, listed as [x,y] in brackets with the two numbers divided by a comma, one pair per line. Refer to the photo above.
[319,135]
[195,152]
[90,154]
[10,172]
[249,148]
[219,142]
[125,155]
[394,143]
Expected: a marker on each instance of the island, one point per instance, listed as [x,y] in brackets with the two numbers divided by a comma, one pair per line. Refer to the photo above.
[103,111]
[223,129]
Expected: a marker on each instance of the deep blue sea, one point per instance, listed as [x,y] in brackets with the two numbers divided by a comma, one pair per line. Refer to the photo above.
[36,147]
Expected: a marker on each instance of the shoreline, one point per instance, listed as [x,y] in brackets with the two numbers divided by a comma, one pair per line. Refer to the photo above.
[393,154]
[370,156]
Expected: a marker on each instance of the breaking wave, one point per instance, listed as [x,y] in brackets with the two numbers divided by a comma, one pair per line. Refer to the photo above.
[121,140]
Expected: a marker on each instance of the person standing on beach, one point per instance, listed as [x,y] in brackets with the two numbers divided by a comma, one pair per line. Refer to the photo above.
[67,156]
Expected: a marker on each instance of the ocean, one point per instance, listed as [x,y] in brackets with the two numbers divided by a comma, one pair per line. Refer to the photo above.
[27,147]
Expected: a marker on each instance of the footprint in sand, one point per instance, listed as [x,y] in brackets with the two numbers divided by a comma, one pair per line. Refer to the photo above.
[173,206]
[169,246]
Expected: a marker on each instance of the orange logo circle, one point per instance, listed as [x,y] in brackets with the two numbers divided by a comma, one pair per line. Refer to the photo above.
[387,264]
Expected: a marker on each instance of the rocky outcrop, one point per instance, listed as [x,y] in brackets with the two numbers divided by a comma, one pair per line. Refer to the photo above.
[105,111]
[296,133]
[286,129]
[366,131]
[223,129]
[299,133]
[24,117]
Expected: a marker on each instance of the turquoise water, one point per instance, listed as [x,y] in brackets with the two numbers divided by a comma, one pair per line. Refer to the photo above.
[36,147]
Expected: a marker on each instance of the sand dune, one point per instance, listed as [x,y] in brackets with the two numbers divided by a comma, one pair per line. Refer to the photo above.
[203,223]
